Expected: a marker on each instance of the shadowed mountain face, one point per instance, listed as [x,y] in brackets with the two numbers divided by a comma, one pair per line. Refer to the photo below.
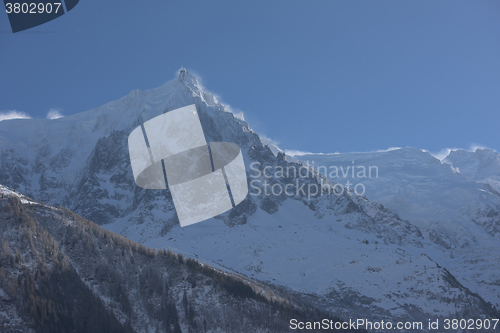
[61,273]
[333,246]
[82,161]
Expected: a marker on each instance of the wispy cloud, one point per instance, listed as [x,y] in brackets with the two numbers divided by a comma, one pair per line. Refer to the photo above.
[217,97]
[237,112]
[388,149]
[475,146]
[441,155]
[54,114]
[13,114]
[293,152]
[268,139]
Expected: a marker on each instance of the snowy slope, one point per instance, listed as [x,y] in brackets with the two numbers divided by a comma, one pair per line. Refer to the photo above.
[481,165]
[460,215]
[369,276]
[338,246]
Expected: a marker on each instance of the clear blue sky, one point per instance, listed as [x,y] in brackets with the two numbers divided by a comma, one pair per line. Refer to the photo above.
[321,76]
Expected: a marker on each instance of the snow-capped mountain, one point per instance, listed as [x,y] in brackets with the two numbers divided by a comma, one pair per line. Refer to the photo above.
[452,210]
[338,247]
[440,200]
[481,165]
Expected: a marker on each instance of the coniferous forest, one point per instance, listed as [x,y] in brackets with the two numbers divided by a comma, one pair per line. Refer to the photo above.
[62,273]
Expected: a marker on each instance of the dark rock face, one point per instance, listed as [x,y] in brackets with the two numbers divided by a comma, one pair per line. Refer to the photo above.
[67,274]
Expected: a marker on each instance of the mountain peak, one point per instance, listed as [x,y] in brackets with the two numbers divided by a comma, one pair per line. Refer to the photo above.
[188,79]
[480,156]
